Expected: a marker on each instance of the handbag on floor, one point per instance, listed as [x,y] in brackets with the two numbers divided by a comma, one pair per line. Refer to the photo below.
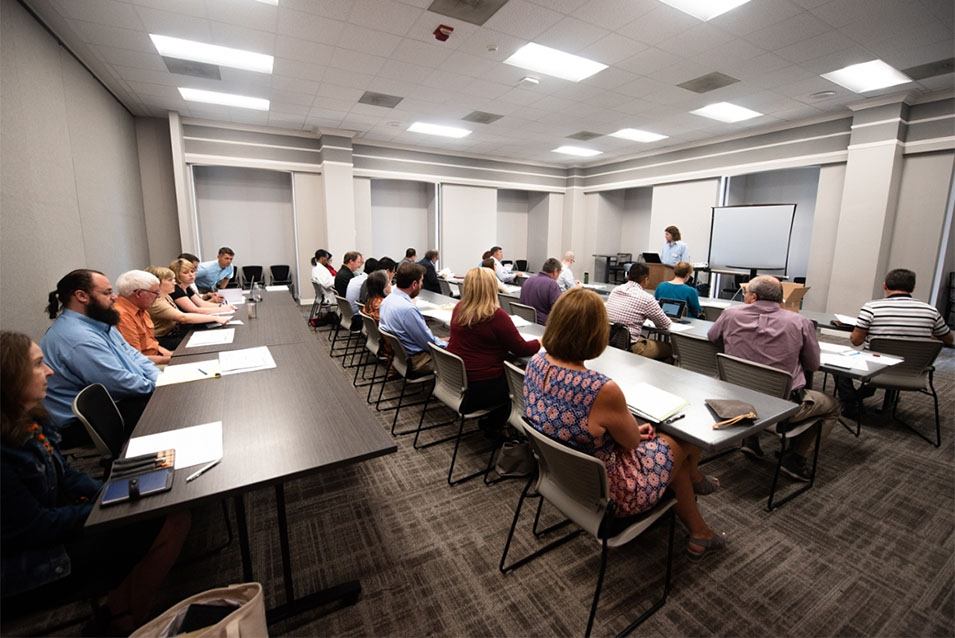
[233,611]
[515,460]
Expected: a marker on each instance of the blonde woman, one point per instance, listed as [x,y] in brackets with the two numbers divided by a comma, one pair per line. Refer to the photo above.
[186,299]
[166,315]
[483,335]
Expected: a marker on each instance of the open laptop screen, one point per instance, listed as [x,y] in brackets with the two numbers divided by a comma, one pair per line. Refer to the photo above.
[673,308]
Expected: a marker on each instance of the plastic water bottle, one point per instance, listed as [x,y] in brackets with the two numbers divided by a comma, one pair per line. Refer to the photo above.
[252,307]
[586,277]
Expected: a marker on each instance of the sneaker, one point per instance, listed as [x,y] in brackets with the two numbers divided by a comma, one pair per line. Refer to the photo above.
[751,447]
[795,466]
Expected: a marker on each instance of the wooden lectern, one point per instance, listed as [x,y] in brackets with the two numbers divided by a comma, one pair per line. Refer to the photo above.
[658,274]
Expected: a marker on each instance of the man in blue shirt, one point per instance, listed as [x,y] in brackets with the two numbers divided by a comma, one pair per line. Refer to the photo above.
[83,346]
[212,275]
[401,317]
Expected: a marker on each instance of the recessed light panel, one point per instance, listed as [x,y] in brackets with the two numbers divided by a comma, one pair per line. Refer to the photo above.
[212,54]
[726,112]
[577,150]
[437,129]
[704,9]
[225,99]
[637,135]
[535,57]
[867,76]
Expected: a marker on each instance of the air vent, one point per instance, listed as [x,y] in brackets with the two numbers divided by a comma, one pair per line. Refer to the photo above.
[474,11]
[195,69]
[584,136]
[931,69]
[708,82]
[481,117]
[380,99]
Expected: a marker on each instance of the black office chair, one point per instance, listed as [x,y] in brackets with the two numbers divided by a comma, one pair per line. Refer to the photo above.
[95,409]
[521,264]
[281,275]
[249,273]
[620,337]
[234,281]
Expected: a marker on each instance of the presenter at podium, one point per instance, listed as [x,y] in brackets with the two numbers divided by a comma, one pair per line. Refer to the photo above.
[673,250]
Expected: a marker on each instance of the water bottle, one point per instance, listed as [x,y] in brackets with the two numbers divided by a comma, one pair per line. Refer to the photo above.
[252,307]
[586,277]
[257,293]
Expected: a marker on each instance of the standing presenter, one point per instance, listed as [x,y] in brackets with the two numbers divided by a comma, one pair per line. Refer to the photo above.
[673,250]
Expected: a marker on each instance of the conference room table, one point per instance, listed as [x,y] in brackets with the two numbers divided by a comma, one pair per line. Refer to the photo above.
[291,421]
[630,370]
[821,319]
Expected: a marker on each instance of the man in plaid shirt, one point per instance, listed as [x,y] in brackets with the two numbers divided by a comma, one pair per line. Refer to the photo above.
[630,305]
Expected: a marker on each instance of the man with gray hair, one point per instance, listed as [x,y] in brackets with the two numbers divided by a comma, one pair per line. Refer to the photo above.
[566,279]
[763,332]
[137,290]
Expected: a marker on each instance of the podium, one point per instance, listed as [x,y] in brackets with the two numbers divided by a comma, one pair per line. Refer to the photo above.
[658,274]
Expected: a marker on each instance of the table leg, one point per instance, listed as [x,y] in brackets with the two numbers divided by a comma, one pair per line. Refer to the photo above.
[243,538]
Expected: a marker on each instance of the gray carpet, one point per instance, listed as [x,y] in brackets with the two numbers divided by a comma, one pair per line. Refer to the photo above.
[868,551]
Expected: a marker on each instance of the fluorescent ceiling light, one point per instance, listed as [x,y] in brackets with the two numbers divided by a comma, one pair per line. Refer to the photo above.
[638,136]
[212,54]
[867,76]
[535,57]
[437,129]
[577,150]
[726,112]
[704,9]
[274,3]
[225,99]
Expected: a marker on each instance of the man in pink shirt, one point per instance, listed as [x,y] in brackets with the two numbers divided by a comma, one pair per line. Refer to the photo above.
[763,332]
[631,305]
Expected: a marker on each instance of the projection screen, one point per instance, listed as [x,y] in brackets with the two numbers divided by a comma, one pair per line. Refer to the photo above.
[751,236]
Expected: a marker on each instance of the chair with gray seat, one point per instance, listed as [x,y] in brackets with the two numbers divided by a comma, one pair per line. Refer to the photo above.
[777,383]
[525,312]
[400,362]
[916,373]
[620,337]
[319,310]
[352,337]
[712,313]
[445,287]
[695,353]
[370,355]
[577,485]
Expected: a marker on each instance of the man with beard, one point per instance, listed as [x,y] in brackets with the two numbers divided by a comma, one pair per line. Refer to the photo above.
[83,347]
[401,317]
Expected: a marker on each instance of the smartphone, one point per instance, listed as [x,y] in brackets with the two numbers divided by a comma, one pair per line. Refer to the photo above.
[150,483]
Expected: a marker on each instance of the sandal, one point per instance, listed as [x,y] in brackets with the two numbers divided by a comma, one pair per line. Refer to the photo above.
[706,485]
[709,545]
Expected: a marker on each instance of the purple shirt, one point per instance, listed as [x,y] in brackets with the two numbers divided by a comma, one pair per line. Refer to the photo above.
[540,291]
[765,333]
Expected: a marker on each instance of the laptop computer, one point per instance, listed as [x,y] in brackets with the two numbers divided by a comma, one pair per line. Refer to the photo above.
[651,258]
[674,309]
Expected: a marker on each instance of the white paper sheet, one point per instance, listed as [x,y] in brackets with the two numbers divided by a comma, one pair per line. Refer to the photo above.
[717,303]
[846,319]
[425,305]
[246,360]
[652,402]
[520,322]
[834,348]
[439,314]
[853,361]
[211,338]
[511,289]
[235,322]
[184,372]
[193,445]
[277,288]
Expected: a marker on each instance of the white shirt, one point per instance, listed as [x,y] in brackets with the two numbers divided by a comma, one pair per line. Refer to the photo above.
[322,277]
[354,290]
[566,279]
[504,276]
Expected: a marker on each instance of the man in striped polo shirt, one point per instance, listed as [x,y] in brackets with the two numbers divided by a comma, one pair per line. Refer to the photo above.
[897,316]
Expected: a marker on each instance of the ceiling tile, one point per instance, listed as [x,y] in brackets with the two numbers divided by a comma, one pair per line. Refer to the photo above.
[303,50]
[467,64]
[611,14]
[441,79]
[659,24]
[609,78]
[695,39]
[175,25]
[288,108]
[611,49]
[420,53]
[286,120]
[486,90]
[403,71]
[334,91]
[358,62]
[113,36]
[334,9]
[253,15]
[649,61]
[571,35]
[297,69]
[369,41]
[292,98]
[756,15]
[297,85]
[523,19]
[107,12]
[384,15]
[126,57]
[791,30]
[308,26]
[186,7]
[237,37]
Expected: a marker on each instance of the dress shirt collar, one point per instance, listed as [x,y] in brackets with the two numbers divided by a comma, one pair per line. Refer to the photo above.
[129,306]
[899,295]
[762,306]
[401,293]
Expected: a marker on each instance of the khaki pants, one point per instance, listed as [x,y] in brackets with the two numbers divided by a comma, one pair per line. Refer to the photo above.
[420,363]
[814,404]
[652,349]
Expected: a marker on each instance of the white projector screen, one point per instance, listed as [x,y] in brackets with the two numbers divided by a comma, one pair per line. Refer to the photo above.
[751,236]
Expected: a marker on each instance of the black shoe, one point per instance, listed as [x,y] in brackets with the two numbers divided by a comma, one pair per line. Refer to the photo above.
[865,392]
[751,447]
[795,466]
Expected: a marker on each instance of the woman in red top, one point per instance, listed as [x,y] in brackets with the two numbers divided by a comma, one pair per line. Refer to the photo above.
[484,336]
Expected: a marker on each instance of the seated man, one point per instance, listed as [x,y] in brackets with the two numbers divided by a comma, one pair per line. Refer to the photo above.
[81,347]
[401,317]
[897,316]
[542,291]
[353,290]
[410,255]
[566,280]
[677,288]
[497,254]
[430,272]
[351,263]
[761,331]
[631,305]
[215,275]
[137,290]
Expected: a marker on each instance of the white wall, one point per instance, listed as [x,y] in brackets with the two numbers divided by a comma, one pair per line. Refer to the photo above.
[608,222]
[70,191]
[310,226]
[635,236]
[688,206]
[468,225]
[159,189]
[513,228]
[247,209]
[399,217]
[825,225]
[544,217]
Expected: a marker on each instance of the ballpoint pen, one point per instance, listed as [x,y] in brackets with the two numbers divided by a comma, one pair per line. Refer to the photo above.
[672,419]
[202,470]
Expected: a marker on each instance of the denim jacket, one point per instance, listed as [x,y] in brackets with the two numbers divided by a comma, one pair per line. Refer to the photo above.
[45,503]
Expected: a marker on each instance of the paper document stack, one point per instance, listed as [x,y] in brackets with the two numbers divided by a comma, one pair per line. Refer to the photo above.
[193,445]
[652,403]
[247,360]
[211,338]
[184,372]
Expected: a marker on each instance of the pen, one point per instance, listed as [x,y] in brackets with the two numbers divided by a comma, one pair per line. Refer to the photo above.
[672,419]
[202,470]
[203,371]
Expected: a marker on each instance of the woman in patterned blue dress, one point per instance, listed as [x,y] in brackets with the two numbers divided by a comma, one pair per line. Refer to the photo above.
[587,411]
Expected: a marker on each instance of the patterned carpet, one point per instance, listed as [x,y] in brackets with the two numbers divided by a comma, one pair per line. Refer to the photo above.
[869,551]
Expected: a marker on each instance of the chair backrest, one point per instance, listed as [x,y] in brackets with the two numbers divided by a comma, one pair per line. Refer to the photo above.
[755,376]
[520,264]
[712,313]
[250,272]
[619,337]
[515,390]
[95,409]
[372,335]
[695,353]
[399,360]
[523,311]
[455,287]
[918,354]
[344,309]
[281,274]
[444,286]
[574,482]
[624,257]
[451,377]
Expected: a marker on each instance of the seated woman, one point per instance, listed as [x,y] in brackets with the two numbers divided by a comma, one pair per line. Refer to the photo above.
[587,411]
[483,335]
[47,556]
[166,315]
[501,286]
[186,298]
[379,287]
[678,289]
